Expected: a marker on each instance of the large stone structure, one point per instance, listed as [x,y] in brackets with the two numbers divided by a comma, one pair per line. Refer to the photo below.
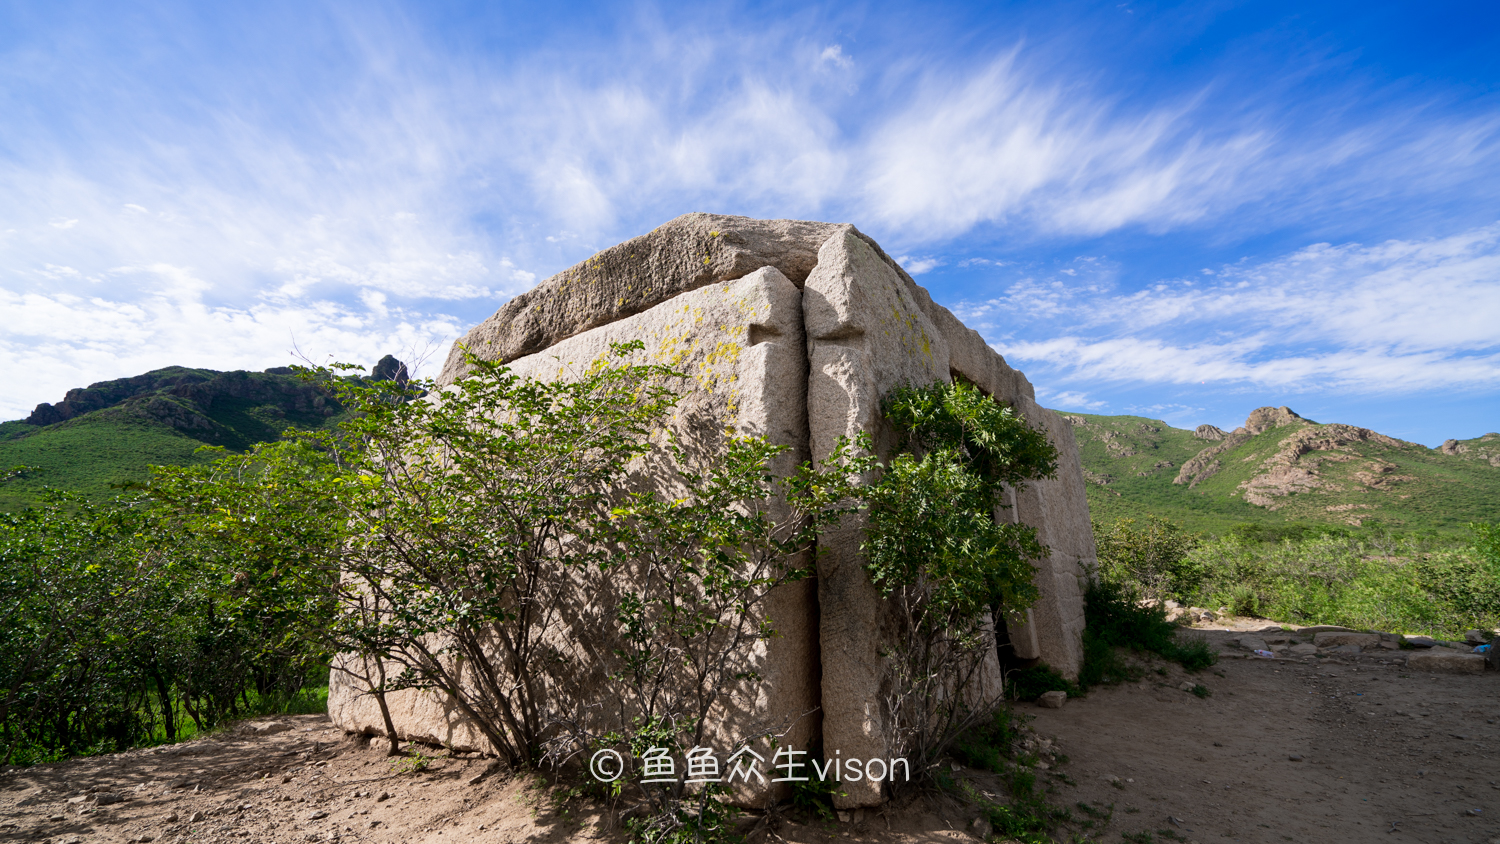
[794,331]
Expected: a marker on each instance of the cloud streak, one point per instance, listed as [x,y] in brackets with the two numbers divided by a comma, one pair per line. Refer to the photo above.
[361,169]
[1389,317]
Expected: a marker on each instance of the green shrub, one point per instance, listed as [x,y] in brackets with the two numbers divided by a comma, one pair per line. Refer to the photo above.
[989,744]
[935,550]
[1031,683]
[1243,601]
[1375,580]
[1152,558]
[1116,618]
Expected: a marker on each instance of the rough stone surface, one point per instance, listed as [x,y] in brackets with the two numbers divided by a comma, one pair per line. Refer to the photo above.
[692,251]
[1449,662]
[1333,640]
[838,324]
[1303,649]
[1421,641]
[1253,643]
[740,345]
[865,336]
[1052,700]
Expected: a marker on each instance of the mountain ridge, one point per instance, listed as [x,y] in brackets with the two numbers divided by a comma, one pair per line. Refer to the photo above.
[1280,466]
[105,436]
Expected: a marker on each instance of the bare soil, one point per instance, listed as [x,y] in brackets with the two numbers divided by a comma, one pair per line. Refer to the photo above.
[1385,755]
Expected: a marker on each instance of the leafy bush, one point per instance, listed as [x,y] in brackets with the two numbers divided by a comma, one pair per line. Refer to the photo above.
[934,547]
[1372,580]
[1152,558]
[114,632]
[1035,681]
[1116,618]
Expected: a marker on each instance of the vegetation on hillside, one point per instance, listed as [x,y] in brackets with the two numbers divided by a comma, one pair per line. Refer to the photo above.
[1294,472]
[106,437]
[1365,578]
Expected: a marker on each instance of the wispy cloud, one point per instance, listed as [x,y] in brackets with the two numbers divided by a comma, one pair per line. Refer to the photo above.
[1394,316]
[1069,400]
[69,340]
[918,266]
[360,169]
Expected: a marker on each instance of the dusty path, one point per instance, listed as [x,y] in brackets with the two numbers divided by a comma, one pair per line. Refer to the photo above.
[1386,756]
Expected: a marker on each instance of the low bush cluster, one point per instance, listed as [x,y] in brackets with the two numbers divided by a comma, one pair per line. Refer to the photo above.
[1369,578]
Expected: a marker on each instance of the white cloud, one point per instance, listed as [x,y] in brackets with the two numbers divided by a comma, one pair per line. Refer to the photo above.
[1069,400]
[64,224]
[1395,316]
[63,341]
[834,55]
[918,266]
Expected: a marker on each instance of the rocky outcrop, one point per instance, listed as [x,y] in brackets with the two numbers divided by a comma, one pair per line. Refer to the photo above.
[796,331]
[1485,449]
[1208,432]
[173,394]
[1287,472]
[1206,464]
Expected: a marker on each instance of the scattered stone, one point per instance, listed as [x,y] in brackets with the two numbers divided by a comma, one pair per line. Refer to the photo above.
[1333,639]
[317,815]
[1304,649]
[1052,700]
[269,728]
[1421,641]
[1446,661]
[1294,757]
[1186,686]
[981,828]
[107,798]
[1253,643]
[196,817]
[172,818]
[1476,637]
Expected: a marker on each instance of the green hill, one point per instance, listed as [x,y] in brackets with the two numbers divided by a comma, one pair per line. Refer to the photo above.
[108,434]
[1281,469]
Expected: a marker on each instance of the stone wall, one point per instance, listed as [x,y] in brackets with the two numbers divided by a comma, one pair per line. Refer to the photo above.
[794,331]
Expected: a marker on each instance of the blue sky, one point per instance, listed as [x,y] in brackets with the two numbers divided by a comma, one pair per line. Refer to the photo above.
[1180,211]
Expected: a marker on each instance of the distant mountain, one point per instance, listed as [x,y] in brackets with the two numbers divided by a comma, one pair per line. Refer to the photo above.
[105,435]
[1280,468]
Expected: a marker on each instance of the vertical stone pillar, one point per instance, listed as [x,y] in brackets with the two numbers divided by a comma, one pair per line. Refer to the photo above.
[866,334]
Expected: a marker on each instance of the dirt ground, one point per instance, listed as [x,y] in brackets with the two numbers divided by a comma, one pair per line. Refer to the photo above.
[1318,749]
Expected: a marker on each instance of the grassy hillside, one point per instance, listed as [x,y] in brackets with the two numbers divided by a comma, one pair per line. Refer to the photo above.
[87,455]
[1280,469]
[109,434]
